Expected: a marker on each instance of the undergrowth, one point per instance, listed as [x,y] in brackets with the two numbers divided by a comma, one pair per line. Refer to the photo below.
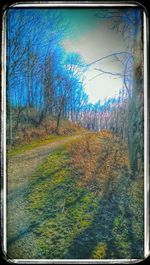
[82,203]
[27,132]
[28,136]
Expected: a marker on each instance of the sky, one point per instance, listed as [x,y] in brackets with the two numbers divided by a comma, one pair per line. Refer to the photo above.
[93,39]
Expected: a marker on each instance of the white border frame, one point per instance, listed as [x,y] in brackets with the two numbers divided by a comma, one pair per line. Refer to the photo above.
[146,133]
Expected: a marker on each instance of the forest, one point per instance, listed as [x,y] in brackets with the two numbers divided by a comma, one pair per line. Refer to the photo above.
[85,200]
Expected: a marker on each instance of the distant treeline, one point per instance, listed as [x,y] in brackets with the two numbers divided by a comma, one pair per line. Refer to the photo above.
[43,80]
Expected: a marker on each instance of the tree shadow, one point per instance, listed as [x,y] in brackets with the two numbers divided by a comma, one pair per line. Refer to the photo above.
[104,223]
[99,231]
[101,228]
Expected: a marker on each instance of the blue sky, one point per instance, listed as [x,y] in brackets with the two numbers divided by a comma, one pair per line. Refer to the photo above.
[89,36]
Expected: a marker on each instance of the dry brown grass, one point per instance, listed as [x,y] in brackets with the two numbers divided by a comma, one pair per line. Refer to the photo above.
[68,128]
[27,133]
[97,157]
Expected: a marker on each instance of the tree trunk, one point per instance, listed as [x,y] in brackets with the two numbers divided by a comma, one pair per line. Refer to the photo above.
[58,122]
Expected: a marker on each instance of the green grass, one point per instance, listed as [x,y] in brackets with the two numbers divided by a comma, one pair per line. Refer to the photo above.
[59,209]
[70,221]
[19,149]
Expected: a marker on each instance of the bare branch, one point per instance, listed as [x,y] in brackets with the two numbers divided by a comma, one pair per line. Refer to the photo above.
[111,55]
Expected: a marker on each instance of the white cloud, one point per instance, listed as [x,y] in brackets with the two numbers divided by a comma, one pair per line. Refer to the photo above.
[101,87]
[92,46]
[96,44]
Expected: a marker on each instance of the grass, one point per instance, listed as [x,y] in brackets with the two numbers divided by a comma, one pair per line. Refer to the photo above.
[64,208]
[28,136]
[81,203]
[58,209]
[19,149]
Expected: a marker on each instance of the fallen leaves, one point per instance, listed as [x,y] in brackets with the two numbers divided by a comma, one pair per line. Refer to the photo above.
[98,156]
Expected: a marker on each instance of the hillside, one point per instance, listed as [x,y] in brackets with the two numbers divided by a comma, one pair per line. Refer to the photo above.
[29,136]
[81,202]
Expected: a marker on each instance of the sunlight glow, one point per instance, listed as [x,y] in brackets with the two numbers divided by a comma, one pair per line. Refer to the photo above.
[101,87]
[93,46]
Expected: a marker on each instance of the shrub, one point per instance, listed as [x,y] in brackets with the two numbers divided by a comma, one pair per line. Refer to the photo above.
[100,252]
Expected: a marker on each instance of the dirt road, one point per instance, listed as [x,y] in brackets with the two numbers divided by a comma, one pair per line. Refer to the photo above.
[20,169]
[21,166]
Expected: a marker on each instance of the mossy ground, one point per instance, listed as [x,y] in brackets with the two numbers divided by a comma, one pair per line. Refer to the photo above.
[77,211]
[12,151]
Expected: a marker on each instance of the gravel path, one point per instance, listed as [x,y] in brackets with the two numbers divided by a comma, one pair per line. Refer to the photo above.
[21,166]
